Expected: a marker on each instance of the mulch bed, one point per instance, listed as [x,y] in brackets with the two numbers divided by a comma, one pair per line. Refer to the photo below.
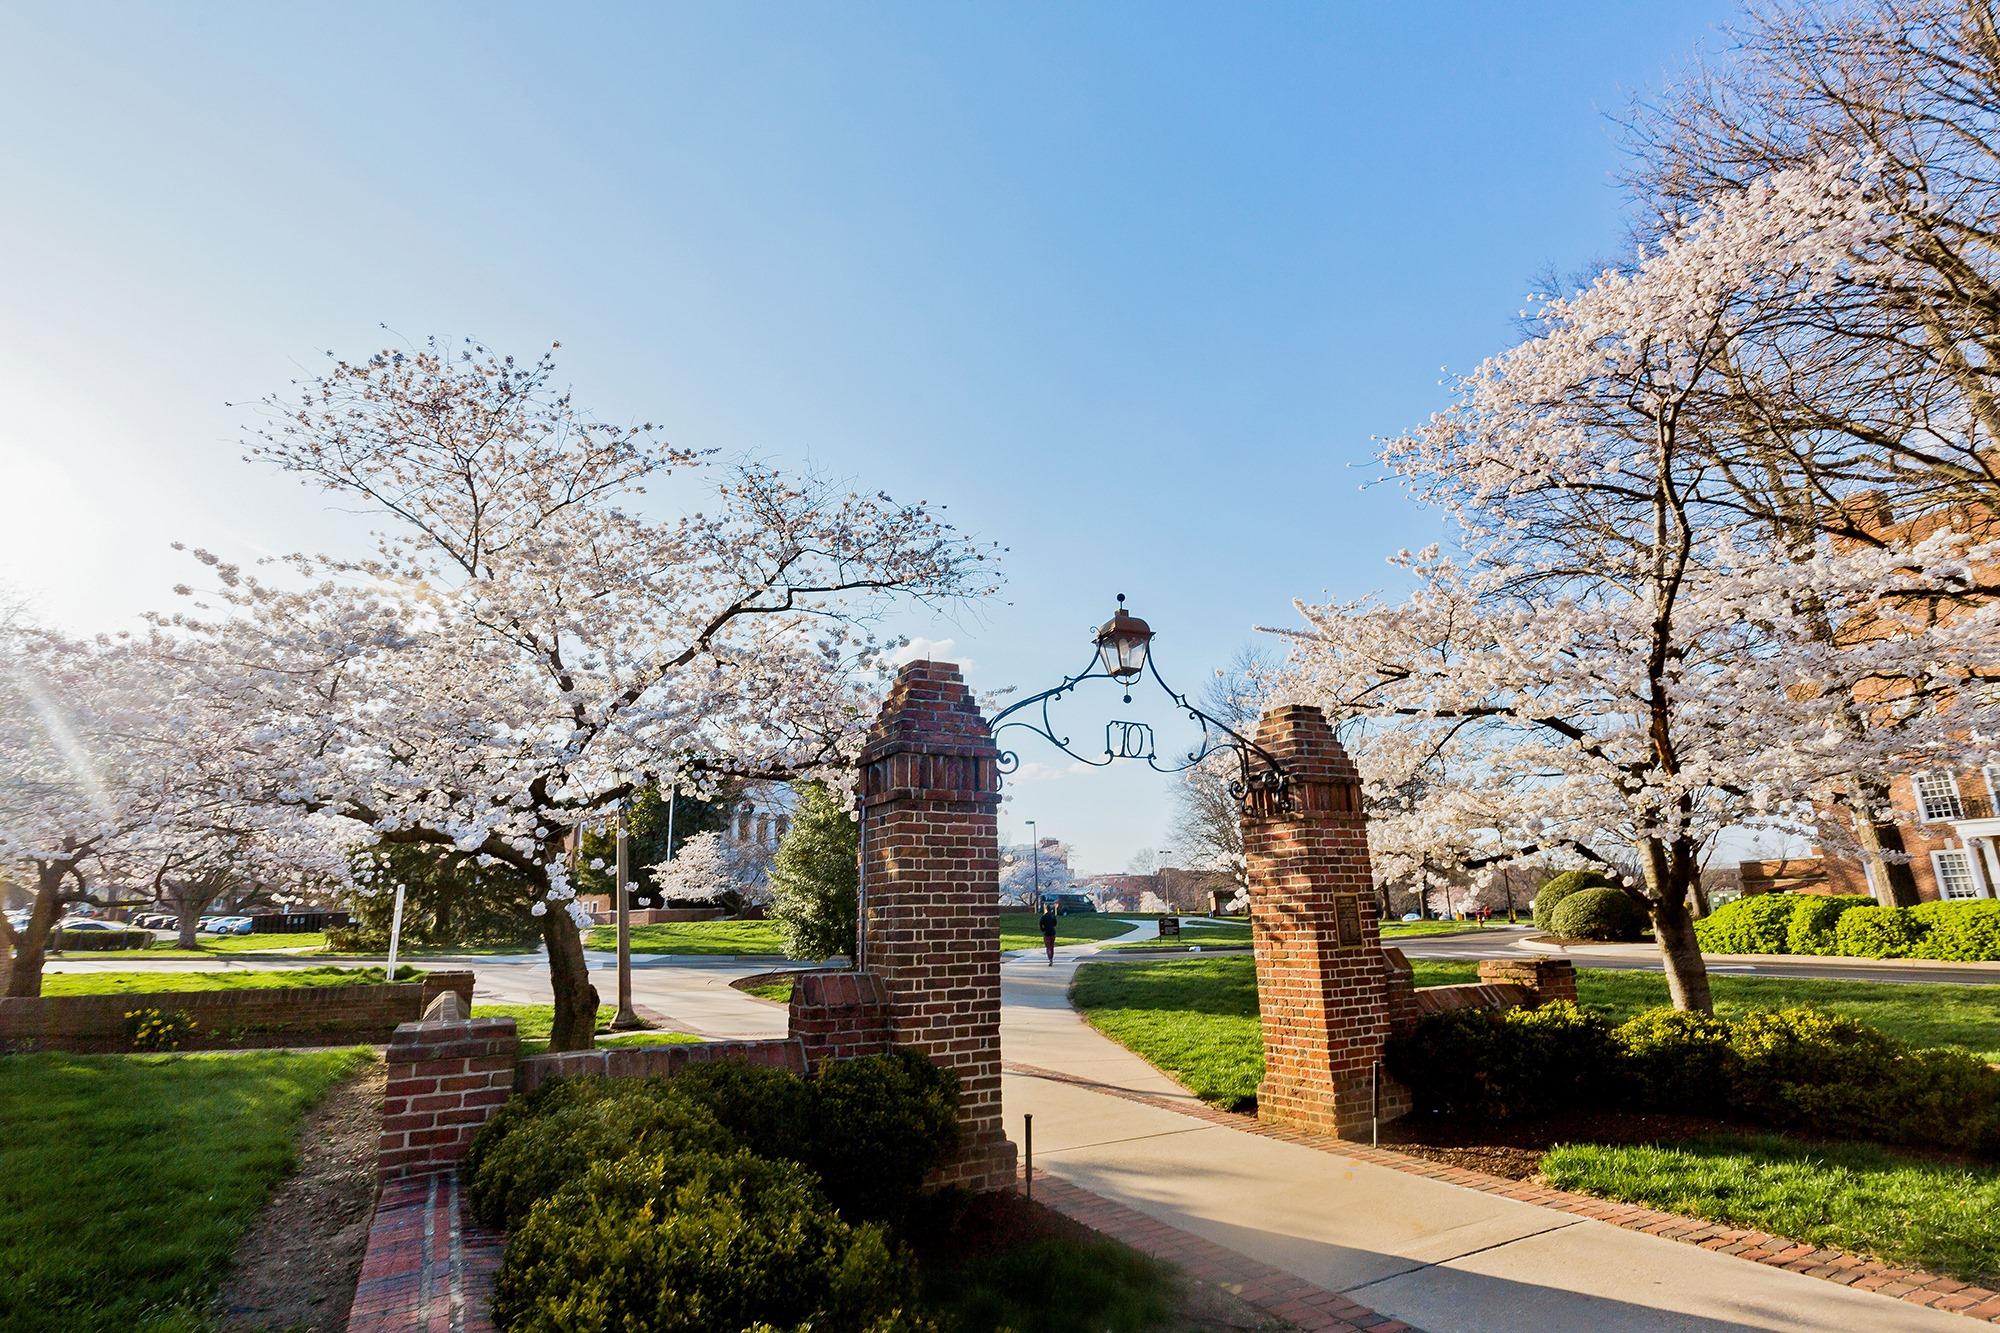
[297,1264]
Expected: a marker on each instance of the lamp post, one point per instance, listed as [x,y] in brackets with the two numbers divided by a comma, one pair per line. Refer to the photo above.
[626,1017]
[1035,851]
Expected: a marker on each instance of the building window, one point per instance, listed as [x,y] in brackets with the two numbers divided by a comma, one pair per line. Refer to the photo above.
[743,824]
[1954,874]
[1937,796]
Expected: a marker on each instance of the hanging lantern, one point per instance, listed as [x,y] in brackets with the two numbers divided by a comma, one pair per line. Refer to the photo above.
[1122,643]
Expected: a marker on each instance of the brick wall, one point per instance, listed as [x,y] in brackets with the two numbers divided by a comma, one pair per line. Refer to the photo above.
[930,930]
[839,1015]
[655,1061]
[1323,981]
[279,1016]
[445,1078]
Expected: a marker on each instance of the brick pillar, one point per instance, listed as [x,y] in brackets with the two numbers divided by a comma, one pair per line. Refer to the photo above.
[930,866]
[1324,985]
[446,1077]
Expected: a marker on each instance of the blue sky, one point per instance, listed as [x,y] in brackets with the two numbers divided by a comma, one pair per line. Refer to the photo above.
[1130,288]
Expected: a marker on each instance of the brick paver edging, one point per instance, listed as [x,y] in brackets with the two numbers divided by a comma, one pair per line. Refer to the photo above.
[427,1268]
[1272,1291]
[1849,1270]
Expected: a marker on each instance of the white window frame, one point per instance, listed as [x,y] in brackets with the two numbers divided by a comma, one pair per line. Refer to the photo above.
[1972,875]
[1992,772]
[1924,816]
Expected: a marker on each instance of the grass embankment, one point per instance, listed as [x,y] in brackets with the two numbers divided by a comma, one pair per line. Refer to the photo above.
[534,1021]
[126,1181]
[209,945]
[1197,1018]
[119,983]
[696,937]
[1022,930]
[1853,1196]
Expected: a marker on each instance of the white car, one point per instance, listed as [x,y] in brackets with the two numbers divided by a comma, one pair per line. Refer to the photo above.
[229,925]
[77,923]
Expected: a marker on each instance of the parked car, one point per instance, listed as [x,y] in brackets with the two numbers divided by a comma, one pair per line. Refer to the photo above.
[76,923]
[1069,904]
[1412,916]
[228,925]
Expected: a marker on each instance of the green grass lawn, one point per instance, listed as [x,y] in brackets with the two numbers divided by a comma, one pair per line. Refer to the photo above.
[1852,1196]
[779,989]
[127,1180]
[1402,929]
[1196,1018]
[118,983]
[1236,934]
[533,1022]
[1022,930]
[696,937]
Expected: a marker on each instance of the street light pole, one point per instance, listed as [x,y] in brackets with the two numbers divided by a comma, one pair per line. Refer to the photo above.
[1035,850]
[626,1017]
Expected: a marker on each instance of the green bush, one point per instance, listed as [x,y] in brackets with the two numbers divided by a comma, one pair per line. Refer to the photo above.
[1676,1060]
[1879,932]
[88,941]
[1756,924]
[1966,932]
[1598,914]
[872,1129]
[1811,927]
[697,1242]
[520,1159]
[1502,1064]
[1561,887]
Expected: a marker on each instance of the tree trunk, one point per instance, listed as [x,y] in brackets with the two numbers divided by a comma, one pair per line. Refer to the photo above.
[24,977]
[187,916]
[1687,974]
[1895,883]
[575,1025]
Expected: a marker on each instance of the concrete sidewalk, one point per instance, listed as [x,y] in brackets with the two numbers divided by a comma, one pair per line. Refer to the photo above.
[1435,1255]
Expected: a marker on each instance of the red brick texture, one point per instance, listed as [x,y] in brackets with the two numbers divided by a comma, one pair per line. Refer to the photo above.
[444,1080]
[840,1015]
[654,1061]
[1323,981]
[930,929]
[428,1266]
[278,1016]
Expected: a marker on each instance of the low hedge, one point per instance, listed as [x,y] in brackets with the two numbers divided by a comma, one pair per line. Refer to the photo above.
[1560,887]
[1598,914]
[730,1196]
[698,1241]
[1854,926]
[1789,1068]
[81,941]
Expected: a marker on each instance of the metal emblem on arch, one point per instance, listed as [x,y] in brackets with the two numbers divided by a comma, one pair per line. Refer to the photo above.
[1122,652]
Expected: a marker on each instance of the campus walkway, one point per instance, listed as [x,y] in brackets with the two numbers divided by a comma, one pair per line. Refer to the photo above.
[1438,1256]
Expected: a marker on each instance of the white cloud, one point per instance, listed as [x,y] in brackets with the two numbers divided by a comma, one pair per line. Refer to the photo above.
[931,650]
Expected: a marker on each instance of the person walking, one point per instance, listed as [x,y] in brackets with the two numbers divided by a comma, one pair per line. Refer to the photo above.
[1049,930]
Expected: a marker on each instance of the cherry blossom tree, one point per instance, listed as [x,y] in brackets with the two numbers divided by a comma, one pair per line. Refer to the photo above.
[700,872]
[1613,664]
[530,641]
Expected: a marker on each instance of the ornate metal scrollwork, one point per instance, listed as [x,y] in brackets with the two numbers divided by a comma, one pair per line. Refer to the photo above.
[1261,780]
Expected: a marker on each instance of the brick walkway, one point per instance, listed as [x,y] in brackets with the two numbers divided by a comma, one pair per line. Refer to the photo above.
[1839,1266]
[427,1268]
[1271,1290]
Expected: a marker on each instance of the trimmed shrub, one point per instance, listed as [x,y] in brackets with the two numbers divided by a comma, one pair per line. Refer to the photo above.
[882,1125]
[1678,1061]
[695,1242]
[1810,929]
[1879,932]
[1506,1063]
[1560,887]
[871,1129]
[83,941]
[1965,932]
[583,1121]
[1756,924]
[1598,914]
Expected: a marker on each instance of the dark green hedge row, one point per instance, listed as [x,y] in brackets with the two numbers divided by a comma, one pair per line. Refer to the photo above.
[729,1196]
[1855,927]
[1785,1068]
